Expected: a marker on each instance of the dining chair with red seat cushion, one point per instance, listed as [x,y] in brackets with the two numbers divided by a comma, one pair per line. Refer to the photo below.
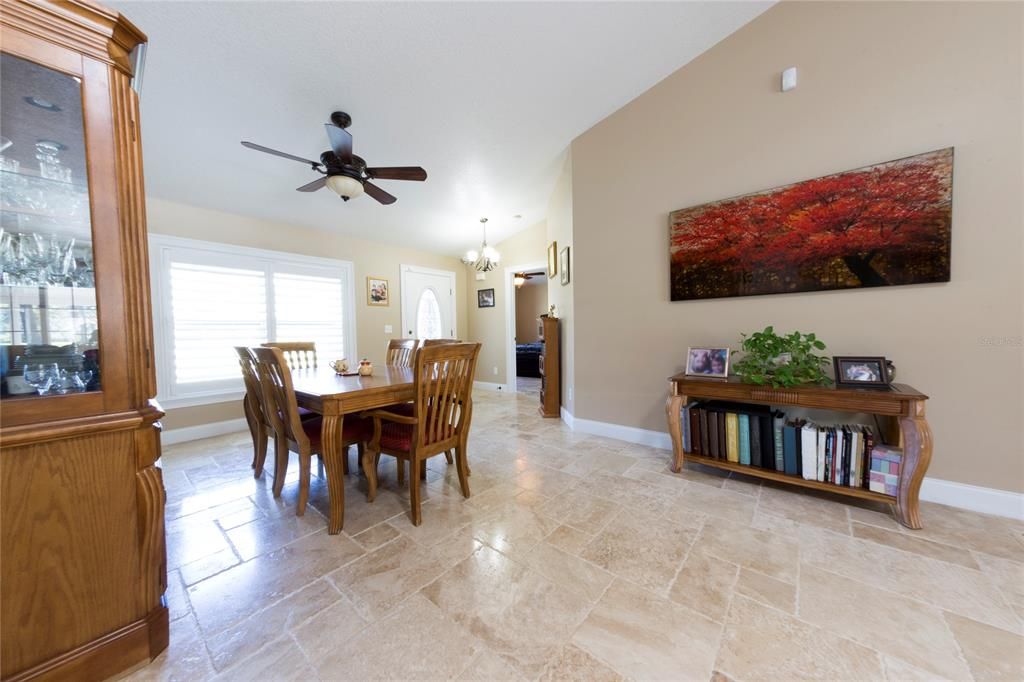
[256,413]
[442,412]
[301,436]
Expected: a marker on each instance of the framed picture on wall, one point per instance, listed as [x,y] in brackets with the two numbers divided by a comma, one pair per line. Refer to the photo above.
[485,298]
[563,264]
[552,259]
[377,291]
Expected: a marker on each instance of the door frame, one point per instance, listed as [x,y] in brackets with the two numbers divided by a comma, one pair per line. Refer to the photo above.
[404,271]
[510,317]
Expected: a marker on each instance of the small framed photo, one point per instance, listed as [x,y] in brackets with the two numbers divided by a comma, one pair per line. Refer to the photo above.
[377,291]
[485,298]
[710,363]
[860,372]
[552,259]
[563,264]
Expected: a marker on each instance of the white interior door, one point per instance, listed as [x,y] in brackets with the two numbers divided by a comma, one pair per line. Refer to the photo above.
[428,303]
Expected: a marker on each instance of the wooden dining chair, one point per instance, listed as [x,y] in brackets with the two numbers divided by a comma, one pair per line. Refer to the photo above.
[442,411]
[256,415]
[298,354]
[401,352]
[302,436]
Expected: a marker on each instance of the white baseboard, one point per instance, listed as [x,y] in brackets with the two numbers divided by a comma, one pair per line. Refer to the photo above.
[974,497]
[210,430]
[490,386]
[962,495]
[567,417]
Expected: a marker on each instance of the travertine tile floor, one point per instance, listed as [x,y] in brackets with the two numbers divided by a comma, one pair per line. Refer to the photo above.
[577,557]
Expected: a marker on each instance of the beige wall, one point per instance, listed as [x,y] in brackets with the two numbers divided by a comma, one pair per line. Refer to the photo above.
[560,230]
[878,81]
[488,326]
[369,258]
[531,303]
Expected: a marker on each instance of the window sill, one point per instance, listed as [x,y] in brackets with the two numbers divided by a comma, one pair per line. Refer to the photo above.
[198,400]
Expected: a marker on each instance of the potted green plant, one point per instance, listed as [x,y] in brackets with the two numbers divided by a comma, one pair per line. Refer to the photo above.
[781,361]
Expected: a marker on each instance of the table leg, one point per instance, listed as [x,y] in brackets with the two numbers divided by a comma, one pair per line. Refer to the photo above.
[917,454]
[330,440]
[672,407]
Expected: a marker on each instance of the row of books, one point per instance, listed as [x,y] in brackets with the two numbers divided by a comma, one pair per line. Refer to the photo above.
[758,436]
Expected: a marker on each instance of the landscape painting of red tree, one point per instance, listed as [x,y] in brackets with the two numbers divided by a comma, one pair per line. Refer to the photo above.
[882,225]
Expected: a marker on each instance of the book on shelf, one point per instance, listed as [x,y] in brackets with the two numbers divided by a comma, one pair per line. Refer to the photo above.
[767,422]
[713,433]
[732,437]
[822,438]
[685,432]
[755,439]
[809,451]
[744,436]
[695,444]
[705,428]
[778,421]
[790,447]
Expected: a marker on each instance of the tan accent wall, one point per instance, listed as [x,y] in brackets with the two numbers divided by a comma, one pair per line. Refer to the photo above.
[376,259]
[531,303]
[877,81]
[560,230]
[488,326]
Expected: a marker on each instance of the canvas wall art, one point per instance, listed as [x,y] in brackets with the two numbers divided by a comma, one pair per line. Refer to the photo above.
[882,225]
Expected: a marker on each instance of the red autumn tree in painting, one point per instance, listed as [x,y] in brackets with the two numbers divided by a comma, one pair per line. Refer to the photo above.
[877,226]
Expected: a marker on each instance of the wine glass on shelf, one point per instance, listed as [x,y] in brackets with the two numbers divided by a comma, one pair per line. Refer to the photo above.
[38,377]
[80,380]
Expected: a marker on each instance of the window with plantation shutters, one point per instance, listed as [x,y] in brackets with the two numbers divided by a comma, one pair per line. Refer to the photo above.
[210,297]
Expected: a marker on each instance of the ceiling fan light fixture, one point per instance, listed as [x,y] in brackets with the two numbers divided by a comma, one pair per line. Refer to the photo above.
[519,279]
[344,186]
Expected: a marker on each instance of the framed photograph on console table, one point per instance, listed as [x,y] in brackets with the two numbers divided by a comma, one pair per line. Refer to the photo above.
[708,363]
[860,372]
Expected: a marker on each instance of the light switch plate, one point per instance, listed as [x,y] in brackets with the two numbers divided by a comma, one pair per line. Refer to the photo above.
[388,329]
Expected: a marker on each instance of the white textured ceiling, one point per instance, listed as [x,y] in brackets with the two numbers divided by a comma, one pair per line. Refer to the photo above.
[485,96]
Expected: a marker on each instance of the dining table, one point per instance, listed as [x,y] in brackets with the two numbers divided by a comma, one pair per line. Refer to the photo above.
[333,395]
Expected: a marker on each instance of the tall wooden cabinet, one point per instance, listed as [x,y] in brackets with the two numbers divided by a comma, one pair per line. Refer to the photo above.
[550,367]
[82,553]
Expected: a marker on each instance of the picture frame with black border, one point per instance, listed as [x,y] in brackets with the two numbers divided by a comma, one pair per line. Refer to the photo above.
[485,298]
[705,362]
[860,371]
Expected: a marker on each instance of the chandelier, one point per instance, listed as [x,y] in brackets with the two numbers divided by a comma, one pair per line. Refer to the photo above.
[487,258]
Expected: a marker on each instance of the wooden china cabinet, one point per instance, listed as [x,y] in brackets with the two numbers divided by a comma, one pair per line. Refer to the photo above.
[82,553]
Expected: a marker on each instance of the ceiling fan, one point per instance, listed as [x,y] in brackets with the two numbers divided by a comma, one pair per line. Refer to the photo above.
[343,171]
[519,278]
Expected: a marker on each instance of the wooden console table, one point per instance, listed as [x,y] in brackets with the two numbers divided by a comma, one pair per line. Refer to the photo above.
[901,409]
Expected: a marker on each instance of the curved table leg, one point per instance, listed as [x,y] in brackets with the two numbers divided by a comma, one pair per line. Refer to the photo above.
[917,454]
[672,407]
[330,439]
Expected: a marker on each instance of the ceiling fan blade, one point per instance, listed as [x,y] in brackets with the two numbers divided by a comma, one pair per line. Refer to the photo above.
[398,173]
[341,142]
[268,150]
[313,186]
[378,194]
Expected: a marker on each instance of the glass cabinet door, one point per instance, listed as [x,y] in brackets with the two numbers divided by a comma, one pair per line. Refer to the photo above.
[49,331]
